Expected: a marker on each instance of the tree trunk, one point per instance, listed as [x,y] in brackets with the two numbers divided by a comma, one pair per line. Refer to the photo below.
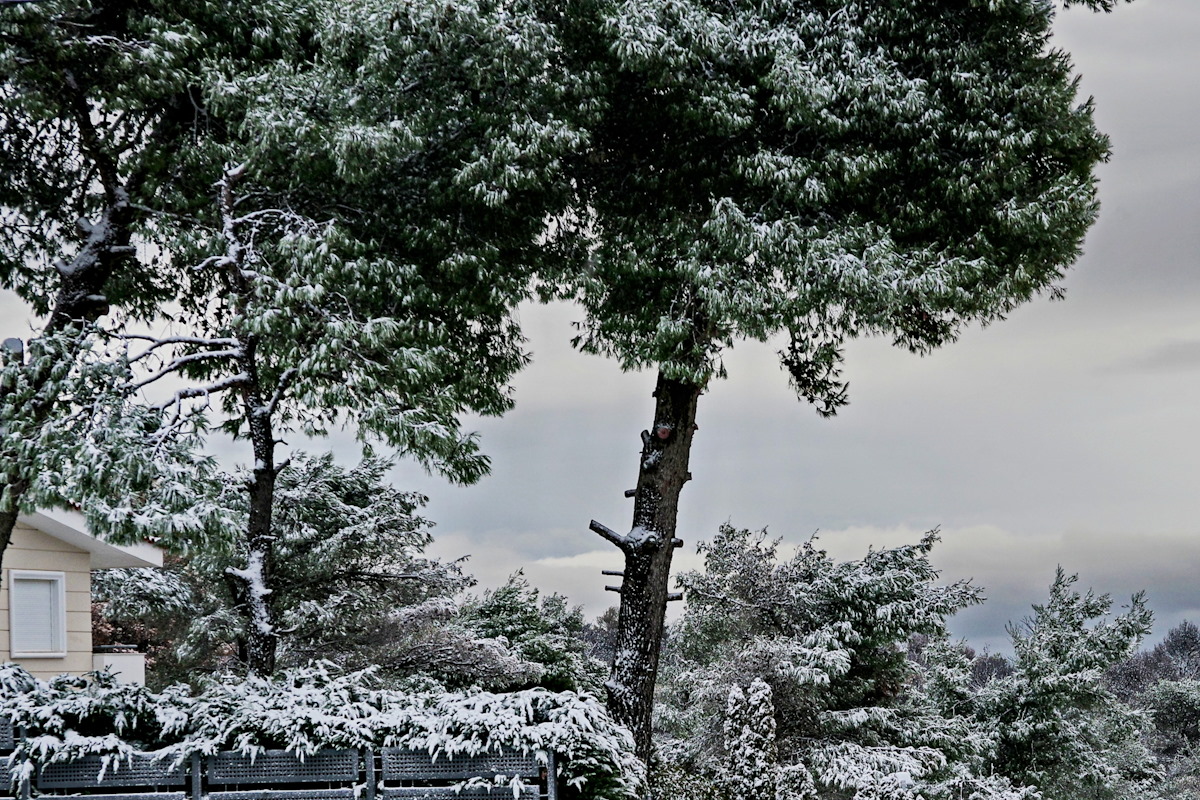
[8,519]
[648,548]
[259,610]
[257,606]
[256,602]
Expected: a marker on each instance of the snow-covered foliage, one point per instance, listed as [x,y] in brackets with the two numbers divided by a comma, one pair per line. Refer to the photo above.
[96,123]
[306,709]
[1174,709]
[348,550]
[824,171]
[545,633]
[822,647]
[350,585]
[1057,725]
[388,176]
[1164,683]
[90,131]
[395,176]
[96,455]
[751,759]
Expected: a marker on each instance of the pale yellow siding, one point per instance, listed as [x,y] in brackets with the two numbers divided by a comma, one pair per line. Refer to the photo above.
[32,549]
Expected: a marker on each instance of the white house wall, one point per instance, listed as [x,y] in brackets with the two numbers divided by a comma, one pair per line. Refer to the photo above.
[33,550]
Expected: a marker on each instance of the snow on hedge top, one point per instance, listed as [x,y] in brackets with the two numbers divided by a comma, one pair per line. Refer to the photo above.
[305,710]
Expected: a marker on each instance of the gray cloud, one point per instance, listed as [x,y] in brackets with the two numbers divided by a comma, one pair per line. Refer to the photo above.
[1168,357]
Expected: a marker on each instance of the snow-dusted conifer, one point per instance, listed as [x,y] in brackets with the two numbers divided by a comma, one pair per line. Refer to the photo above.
[544,632]
[97,109]
[384,198]
[1057,726]
[854,716]
[751,762]
[353,587]
[805,173]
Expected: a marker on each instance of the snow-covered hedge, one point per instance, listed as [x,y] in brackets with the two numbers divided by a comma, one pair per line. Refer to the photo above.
[307,709]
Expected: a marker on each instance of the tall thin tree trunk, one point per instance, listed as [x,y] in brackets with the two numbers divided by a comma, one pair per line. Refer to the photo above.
[257,606]
[648,547]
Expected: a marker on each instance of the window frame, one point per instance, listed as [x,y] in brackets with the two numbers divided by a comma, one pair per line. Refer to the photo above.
[58,612]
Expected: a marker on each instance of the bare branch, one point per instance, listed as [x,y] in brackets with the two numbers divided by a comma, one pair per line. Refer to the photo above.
[181,361]
[611,535]
[232,382]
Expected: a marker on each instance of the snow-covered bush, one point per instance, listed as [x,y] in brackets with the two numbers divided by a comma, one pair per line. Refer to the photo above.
[752,763]
[853,716]
[306,709]
[68,717]
[546,633]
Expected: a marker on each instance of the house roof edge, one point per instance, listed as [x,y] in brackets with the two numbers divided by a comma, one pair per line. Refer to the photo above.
[71,527]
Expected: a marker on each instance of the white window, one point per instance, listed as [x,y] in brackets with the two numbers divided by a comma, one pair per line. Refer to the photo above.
[37,614]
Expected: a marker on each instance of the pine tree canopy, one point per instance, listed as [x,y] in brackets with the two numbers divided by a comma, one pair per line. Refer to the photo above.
[822,170]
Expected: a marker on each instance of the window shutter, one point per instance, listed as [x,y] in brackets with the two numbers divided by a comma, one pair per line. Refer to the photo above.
[38,618]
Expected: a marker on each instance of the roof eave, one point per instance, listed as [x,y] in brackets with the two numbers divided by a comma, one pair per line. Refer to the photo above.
[71,528]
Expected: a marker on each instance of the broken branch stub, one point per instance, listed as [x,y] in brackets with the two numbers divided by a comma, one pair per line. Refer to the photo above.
[611,535]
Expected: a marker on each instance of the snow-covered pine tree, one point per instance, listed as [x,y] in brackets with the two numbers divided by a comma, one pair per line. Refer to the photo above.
[390,173]
[354,589]
[851,718]
[806,172]
[1057,725]
[544,632]
[97,113]
[751,762]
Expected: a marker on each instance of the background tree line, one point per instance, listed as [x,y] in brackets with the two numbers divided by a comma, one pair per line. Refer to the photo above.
[791,676]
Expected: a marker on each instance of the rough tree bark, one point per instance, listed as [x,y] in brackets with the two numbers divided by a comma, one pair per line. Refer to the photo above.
[254,598]
[257,602]
[648,548]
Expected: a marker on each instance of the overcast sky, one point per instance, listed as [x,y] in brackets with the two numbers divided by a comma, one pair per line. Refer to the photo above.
[1068,434]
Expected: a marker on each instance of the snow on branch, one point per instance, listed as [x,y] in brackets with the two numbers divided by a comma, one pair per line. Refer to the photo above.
[166,341]
[232,382]
[179,362]
[634,539]
[608,533]
[285,380]
[173,425]
[307,709]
